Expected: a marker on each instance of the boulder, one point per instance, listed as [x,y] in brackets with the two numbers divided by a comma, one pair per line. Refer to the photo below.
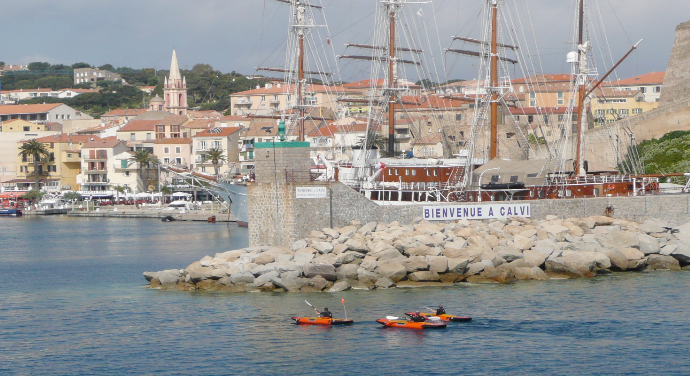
[637,264]
[619,260]
[206,261]
[195,272]
[557,231]
[309,250]
[438,264]
[533,273]
[319,283]
[477,267]
[388,255]
[585,260]
[357,245]
[457,266]
[652,226]
[648,244]
[262,269]
[632,253]
[302,258]
[347,271]
[331,232]
[169,277]
[384,283]
[347,230]
[508,253]
[522,243]
[264,258]
[344,258]
[534,258]
[242,277]
[619,239]
[317,234]
[393,270]
[415,263]
[424,276]
[661,262]
[265,279]
[368,228]
[149,276]
[311,270]
[498,275]
[323,247]
[290,284]
[602,221]
[682,254]
[367,277]
[216,274]
[560,265]
[231,255]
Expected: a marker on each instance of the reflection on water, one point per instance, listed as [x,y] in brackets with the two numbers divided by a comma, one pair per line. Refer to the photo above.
[73,301]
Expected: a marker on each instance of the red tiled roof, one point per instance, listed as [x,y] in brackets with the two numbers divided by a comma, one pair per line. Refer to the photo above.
[653,78]
[431,101]
[63,138]
[224,131]
[173,120]
[200,124]
[139,125]
[235,117]
[540,111]
[287,89]
[431,139]
[101,144]
[11,109]
[544,78]
[174,141]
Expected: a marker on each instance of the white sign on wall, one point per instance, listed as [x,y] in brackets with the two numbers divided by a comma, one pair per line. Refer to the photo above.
[310,192]
[491,211]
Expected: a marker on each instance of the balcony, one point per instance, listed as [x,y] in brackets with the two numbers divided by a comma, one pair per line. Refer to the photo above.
[243,102]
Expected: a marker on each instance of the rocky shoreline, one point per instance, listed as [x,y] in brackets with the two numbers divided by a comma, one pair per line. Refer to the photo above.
[378,255]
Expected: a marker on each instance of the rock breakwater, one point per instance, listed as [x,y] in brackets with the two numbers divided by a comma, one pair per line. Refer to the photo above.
[379,255]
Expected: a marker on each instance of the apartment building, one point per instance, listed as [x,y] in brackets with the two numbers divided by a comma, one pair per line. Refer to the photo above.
[94,75]
[226,139]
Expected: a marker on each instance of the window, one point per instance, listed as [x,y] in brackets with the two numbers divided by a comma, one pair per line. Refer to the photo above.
[532,95]
[178,149]
[203,168]
[428,173]
[148,136]
[530,119]
[263,98]
[514,179]
[166,160]
[561,117]
[275,98]
[611,111]
[52,157]
[216,144]
[532,175]
[495,178]
[407,172]
[637,111]
[560,94]
[643,89]
[132,137]
[123,163]
[202,145]
[458,117]
[657,89]
[166,150]
[178,161]
[414,172]
[532,103]
[27,129]
[560,102]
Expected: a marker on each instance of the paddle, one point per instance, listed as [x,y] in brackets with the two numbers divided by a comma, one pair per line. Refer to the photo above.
[342,300]
[317,311]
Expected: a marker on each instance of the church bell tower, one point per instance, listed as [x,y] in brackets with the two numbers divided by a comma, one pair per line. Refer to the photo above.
[175,89]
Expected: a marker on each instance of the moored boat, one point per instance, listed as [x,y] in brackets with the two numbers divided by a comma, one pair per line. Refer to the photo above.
[10,212]
[320,321]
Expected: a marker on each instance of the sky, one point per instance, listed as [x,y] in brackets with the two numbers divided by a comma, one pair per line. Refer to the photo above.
[238,35]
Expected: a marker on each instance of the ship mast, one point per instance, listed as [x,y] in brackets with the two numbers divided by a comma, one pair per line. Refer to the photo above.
[391,81]
[300,28]
[494,80]
[581,81]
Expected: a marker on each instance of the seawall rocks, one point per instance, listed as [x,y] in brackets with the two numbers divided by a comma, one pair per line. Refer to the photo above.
[385,255]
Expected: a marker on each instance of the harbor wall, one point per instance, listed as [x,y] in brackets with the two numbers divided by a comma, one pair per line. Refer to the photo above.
[277,217]
[678,71]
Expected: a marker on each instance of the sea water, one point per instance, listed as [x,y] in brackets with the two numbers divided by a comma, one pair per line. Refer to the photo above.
[73,301]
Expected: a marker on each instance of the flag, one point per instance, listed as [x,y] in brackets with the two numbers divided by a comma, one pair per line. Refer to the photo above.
[328,40]
[420,13]
[342,300]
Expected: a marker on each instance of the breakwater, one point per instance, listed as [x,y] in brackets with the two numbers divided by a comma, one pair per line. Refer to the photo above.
[379,255]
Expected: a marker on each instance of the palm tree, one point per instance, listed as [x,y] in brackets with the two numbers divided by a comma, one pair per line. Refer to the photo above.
[145,160]
[215,155]
[165,190]
[36,150]
[120,189]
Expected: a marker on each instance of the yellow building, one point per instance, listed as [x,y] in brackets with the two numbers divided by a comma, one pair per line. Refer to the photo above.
[609,105]
[63,161]
[19,125]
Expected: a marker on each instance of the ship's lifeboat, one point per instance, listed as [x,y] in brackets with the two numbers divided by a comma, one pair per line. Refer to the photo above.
[320,321]
[444,317]
[394,322]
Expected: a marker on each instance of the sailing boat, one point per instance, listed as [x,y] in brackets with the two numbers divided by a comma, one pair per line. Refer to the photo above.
[552,177]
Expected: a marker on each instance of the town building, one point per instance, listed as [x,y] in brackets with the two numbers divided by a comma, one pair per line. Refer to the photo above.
[276,98]
[175,89]
[430,146]
[650,84]
[122,115]
[174,152]
[138,133]
[100,171]
[12,132]
[612,104]
[41,113]
[63,162]
[93,76]
[226,139]
[171,127]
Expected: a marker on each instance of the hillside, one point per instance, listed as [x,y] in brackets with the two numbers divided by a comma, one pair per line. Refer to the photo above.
[668,154]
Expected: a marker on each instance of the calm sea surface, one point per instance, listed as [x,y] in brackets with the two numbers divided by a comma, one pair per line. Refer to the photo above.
[73,302]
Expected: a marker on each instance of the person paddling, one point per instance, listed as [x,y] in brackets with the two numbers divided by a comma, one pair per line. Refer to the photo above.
[440,311]
[417,317]
[326,313]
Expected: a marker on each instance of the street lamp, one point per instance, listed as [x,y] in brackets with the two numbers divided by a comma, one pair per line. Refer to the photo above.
[479,198]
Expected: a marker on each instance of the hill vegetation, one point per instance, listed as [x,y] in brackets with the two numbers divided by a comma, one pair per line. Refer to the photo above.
[668,154]
[207,88]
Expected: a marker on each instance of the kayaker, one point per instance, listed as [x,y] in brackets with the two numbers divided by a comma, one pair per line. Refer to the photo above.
[440,311]
[326,313]
[416,317]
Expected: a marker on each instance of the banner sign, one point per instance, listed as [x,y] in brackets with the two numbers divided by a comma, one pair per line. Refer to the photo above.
[490,211]
[310,192]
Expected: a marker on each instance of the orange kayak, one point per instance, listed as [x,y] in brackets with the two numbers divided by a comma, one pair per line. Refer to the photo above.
[411,324]
[444,317]
[320,321]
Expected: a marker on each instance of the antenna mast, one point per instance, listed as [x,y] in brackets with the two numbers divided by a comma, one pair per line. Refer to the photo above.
[581,81]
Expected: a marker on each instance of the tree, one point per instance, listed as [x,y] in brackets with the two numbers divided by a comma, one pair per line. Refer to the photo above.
[165,191]
[145,160]
[215,155]
[72,196]
[37,66]
[36,150]
[107,67]
[81,65]
[120,189]
[33,195]
[2,64]
[374,140]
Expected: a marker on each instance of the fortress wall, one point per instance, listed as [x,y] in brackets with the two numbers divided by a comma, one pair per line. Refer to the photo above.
[677,81]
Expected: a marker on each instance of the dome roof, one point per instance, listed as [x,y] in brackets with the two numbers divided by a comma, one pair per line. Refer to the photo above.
[157,99]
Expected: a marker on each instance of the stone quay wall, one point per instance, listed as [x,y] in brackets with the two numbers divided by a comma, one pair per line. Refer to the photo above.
[278,218]
[678,72]
[272,160]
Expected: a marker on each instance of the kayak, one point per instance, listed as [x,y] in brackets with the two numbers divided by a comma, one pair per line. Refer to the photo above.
[391,323]
[321,321]
[444,317]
